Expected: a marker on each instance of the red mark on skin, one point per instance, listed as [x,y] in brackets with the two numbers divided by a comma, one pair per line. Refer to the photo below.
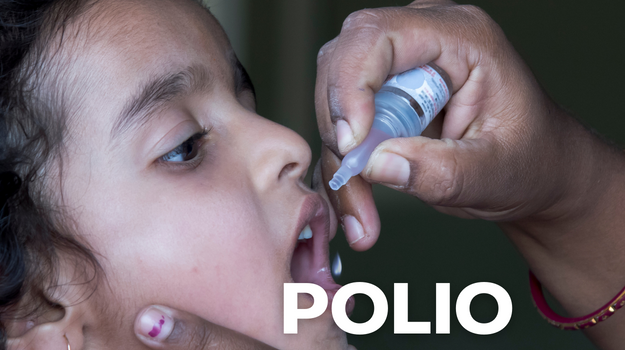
[156,331]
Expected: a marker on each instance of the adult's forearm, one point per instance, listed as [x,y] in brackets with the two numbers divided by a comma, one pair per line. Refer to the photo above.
[576,247]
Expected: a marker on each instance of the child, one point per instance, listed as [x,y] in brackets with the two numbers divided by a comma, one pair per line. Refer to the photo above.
[146,178]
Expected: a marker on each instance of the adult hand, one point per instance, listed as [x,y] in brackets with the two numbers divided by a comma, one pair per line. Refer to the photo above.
[501,150]
[160,327]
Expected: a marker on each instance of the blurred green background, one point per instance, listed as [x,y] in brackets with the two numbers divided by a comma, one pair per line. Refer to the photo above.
[574,48]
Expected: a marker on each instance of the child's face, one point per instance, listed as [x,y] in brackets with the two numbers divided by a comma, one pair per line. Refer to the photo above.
[189,198]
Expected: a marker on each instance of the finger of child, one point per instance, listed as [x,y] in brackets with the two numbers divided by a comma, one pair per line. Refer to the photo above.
[451,173]
[377,42]
[353,205]
[160,327]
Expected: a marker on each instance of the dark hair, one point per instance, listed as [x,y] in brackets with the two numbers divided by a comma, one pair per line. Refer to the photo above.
[31,133]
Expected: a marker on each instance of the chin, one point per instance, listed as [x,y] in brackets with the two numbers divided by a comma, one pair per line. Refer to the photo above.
[318,333]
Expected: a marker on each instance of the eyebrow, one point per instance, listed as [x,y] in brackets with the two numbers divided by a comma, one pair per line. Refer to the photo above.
[157,92]
[160,90]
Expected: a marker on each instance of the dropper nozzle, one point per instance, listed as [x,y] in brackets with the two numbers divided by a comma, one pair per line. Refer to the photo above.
[355,161]
[340,178]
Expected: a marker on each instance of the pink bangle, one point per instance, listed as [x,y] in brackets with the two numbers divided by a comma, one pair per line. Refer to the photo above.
[589,320]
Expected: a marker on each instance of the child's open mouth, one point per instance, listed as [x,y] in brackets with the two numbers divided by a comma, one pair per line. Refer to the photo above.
[310,262]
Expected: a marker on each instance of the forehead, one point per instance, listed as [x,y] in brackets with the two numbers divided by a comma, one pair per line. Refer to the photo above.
[148,32]
[115,46]
[144,19]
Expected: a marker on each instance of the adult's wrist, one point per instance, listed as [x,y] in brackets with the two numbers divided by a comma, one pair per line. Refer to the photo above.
[582,177]
[575,245]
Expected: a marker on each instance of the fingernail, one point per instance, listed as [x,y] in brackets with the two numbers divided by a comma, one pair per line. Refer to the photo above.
[155,324]
[353,229]
[389,168]
[344,136]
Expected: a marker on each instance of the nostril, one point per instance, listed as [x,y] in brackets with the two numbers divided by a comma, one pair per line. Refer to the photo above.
[287,169]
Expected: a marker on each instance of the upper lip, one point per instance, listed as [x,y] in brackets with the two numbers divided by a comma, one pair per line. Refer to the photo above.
[313,208]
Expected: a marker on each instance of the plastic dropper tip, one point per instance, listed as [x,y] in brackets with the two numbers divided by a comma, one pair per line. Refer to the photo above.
[337,182]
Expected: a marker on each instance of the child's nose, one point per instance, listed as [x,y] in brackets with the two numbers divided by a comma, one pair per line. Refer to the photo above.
[278,155]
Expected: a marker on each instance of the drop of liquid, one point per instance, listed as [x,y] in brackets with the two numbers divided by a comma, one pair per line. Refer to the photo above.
[337,266]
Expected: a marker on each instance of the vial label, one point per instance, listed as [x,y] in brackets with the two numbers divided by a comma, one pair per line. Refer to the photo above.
[426,87]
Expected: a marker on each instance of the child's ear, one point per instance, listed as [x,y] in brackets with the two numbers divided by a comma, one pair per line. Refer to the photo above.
[54,328]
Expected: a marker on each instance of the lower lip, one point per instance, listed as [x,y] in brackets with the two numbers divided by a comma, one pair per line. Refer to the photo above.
[349,306]
[320,276]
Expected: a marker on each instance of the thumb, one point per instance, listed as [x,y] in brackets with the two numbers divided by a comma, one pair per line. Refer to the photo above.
[160,327]
[445,172]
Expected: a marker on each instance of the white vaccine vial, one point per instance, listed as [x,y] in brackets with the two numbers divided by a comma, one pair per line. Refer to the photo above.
[404,107]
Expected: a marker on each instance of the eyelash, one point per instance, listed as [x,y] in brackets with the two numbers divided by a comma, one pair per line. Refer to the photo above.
[190,147]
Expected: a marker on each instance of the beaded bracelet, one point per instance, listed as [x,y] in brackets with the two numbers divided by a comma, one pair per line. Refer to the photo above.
[589,320]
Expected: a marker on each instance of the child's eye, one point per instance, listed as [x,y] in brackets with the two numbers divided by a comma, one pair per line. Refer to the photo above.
[186,151]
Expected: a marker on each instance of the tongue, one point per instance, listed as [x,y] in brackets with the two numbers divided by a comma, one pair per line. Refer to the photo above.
[306,267]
